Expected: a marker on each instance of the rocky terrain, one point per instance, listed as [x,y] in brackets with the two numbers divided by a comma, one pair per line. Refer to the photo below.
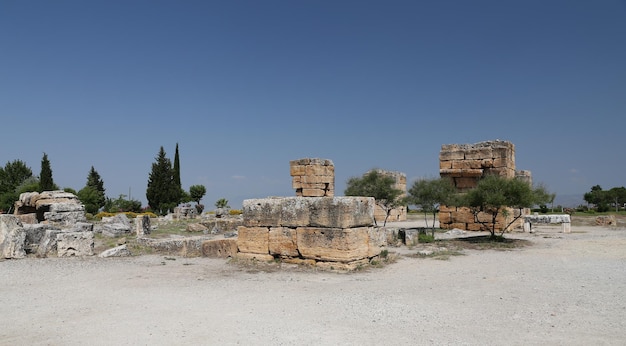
[562,289]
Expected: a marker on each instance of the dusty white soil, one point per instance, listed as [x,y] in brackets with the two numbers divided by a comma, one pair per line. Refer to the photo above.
[565,289]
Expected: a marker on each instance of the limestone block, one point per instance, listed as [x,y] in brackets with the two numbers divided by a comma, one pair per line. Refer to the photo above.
[299,261]
[283,242]
[75,244]
[333,244]
[313,192]
[445,164]
[112,229]
[461,164]
[262,212]
[30,218]
[34,234]
[48,243]
[253,239]
[342,212]
[342,266]
[142,225]
[377,240]
[474,227]
[219,248]
[478,153]
[12,237]
[461,172]
[486,163]
[120,251]
[196,227]
[297,170]
[444,217]
[458,225]
[82,227]
[66,207]
[448,155]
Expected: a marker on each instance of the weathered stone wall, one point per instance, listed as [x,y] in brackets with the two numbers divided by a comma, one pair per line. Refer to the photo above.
[396,214]
[313,177]
[465,164]
[310,230]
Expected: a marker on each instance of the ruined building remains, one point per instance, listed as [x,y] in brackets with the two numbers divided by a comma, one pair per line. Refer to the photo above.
[312,228]
[465,164]
[313,177]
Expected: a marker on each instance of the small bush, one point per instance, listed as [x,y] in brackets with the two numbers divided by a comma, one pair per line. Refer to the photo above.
[425,238]
[235,212]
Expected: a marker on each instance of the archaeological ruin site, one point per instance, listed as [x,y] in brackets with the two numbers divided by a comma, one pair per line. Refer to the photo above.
[313,227]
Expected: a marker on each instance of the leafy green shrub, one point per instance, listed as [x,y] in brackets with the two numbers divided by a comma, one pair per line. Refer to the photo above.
[425,238]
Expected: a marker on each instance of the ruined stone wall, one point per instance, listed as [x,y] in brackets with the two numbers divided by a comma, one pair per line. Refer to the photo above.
[465,164]
[313,177]
[396,214]
[320,231]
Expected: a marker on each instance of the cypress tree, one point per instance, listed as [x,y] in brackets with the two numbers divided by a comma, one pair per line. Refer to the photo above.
[176,174]
[95,182]
[45,176]
[162,192]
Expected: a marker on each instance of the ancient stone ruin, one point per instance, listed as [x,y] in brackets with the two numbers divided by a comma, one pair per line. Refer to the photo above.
[313,177]
[312,228]
[53,207]
[465,164]
[47,223]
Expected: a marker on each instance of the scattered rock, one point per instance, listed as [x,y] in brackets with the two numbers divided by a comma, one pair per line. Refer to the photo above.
[196,227]
[75,244]
[12,237]
[120,251]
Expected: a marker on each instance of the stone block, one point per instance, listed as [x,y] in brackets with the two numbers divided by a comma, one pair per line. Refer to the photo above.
[75,244]
[283,242]
[478,153]
[142,225]
[30,218]
[253,239]
[465,183]
[297,170]
[219,248]
[377,240]
[451,155]
[445,164]
[300,261]
[313,192]
[342,212]
[335,266]
[333,244]
[119,251]
[48,243]
[12,237]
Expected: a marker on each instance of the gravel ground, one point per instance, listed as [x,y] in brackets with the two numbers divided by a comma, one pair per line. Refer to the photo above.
[564,289]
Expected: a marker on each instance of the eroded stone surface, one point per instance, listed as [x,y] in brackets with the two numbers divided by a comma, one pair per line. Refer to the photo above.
[12,237]
[75,244]
[333,244]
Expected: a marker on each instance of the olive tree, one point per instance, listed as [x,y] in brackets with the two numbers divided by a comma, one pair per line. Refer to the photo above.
[377,185]
[429,194]
[494,195]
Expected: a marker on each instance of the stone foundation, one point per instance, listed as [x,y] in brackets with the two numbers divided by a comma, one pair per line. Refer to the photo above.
[313,229]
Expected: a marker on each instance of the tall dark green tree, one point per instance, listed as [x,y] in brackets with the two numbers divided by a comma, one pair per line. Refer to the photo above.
[92,195]
[176,174]
[163,192]
[45,176]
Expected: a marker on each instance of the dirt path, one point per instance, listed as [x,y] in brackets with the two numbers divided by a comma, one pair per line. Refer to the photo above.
[566,289]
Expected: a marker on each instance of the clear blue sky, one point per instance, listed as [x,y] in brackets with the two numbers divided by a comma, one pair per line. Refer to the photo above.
[246,86]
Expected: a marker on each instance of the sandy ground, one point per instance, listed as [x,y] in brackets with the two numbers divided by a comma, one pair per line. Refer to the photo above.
[565,289]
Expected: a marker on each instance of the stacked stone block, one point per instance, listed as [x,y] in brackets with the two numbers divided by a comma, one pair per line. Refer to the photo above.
[465,164]
[313,177]
[311,230]
[396,214]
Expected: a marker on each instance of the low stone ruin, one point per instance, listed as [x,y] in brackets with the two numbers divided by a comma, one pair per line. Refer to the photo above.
[53,207]
[465,164]
[564,220]
[312,228]
[322,231]
[46,223]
